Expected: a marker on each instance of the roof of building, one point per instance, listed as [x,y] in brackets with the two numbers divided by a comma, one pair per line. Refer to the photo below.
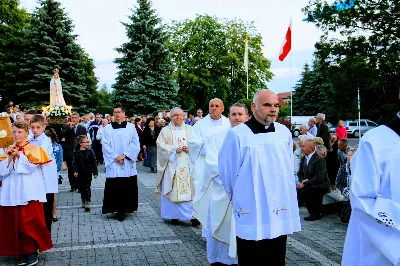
[284,95]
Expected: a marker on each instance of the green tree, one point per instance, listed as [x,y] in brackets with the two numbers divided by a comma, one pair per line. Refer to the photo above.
[13,21]
[50,43]
[309,98]
[208,55]
[365,59]
[145,77]
[104,101]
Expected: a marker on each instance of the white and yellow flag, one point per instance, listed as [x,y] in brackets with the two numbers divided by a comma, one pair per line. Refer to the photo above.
[246,54]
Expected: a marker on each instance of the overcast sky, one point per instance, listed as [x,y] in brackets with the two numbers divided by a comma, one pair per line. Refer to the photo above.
[97,22]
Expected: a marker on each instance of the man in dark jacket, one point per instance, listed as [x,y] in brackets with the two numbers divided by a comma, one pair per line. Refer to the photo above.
[96,145]
[323,131]
[69,134]
[313,180]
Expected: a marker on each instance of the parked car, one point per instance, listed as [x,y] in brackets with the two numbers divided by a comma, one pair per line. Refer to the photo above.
[352,127]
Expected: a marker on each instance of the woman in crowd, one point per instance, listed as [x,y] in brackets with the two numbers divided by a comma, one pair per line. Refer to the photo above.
[139,130]
[58,154]
[343,183]
[341,132]
[149,138]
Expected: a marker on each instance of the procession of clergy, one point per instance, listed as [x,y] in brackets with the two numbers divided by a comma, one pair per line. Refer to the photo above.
[234,176]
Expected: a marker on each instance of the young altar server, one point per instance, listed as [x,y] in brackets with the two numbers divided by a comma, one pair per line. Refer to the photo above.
[173,167]
[213,209]
[39,138]
[120,150]
[22,193]
[256,169]
[373,235]
[203,131]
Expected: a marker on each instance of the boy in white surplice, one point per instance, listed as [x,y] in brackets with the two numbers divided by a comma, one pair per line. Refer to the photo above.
[256,169]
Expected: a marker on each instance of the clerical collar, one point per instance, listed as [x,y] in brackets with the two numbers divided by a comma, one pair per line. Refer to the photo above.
[257,127]
[116,125]
[177,127]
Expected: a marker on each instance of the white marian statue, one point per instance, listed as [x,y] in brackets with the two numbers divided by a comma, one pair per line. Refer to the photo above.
[56,96]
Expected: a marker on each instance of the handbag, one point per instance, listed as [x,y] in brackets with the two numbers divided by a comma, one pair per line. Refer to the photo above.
[60,179]
[64,165]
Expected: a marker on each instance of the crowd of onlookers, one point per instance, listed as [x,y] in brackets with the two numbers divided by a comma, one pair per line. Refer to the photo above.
[322,169]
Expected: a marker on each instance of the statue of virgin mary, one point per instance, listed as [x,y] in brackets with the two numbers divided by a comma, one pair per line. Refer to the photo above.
[56,96]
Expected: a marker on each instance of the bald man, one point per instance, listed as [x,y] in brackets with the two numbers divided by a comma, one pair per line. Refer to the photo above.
[255,166]
[202,133]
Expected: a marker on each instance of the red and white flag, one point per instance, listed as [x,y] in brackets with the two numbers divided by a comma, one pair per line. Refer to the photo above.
[287,43]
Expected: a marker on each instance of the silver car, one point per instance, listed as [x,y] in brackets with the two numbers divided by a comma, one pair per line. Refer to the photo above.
[352,127]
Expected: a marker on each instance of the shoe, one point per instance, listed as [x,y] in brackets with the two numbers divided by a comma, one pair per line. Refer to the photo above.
[55,219]
[121,216]
[312,217]
[32,259]
[87,206]
[22,260]
[174,221]
[195,222]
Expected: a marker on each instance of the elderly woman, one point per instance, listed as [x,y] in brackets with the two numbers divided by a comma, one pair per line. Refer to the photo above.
[161,123]
[149,138]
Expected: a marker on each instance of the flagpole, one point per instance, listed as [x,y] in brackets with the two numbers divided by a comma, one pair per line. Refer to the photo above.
[247,83]
[290,84]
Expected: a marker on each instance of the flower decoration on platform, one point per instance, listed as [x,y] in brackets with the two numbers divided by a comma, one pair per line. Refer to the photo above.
[4,114]
[57,110]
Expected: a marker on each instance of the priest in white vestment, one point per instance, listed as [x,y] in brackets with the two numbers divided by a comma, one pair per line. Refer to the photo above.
[120,150]
[173,167]
[373,235]
[203,131]
[256,169]
[214,210]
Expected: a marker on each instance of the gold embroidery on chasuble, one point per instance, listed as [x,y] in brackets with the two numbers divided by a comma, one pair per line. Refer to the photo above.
[182,182]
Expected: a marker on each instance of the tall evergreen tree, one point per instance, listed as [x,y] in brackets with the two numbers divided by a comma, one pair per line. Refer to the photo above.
[145,78]
[13,21]
[310,97]
[50,43]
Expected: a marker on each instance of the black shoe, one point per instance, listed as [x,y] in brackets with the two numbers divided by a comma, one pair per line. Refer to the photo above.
[174,221]
[121,216]
[312,217]
[195,222]
[87,209]
[55,219]
[22,260]
[32,259]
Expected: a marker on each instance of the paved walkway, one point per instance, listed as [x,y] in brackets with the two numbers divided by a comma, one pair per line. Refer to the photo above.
[82,238]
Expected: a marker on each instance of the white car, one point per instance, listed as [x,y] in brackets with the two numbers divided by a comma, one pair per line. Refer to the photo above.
[352,127]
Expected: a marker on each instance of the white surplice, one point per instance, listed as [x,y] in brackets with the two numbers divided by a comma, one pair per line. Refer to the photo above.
[50,169]
[214,210]
[256,171]
[373,235]
[174,173]
[21,182]
[203,131]
[117,142]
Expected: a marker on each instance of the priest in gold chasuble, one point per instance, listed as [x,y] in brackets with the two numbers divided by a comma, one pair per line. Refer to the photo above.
[173,166]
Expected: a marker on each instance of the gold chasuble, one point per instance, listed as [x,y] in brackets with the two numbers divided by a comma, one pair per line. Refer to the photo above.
[173,168]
